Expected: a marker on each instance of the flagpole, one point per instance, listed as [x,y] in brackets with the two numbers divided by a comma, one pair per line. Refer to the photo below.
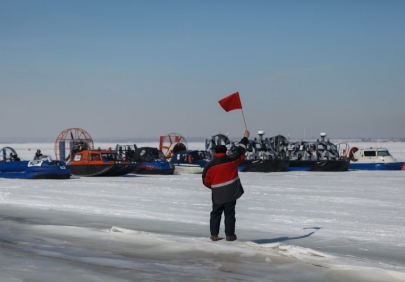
[243,116]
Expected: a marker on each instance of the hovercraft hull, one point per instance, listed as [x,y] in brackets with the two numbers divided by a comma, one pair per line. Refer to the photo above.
[34,170]
[117,169]
[377,166]
[263,165]
[327,165]
[188,169]
[162,168]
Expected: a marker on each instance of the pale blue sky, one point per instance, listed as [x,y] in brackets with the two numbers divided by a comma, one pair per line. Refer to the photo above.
[141,69]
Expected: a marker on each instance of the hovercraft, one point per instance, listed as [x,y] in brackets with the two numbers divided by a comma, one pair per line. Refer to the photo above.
[373,159]
[189,161]
[149,160]
[76,147]
[12,166]
[174,147]
[88,162]
[321,155]
[259,156]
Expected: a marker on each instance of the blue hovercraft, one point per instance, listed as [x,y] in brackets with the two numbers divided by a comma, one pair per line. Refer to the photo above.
[373,159]
[12,166]
[150,160]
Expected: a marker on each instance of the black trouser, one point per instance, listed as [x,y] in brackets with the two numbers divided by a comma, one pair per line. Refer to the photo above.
[229,212]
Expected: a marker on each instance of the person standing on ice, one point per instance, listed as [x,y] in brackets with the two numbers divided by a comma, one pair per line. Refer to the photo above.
[221,176]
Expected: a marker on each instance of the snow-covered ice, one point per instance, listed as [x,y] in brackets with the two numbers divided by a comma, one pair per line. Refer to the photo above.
[291,226]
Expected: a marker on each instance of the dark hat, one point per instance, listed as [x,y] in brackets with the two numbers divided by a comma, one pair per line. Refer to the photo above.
[220,149]
[38,151]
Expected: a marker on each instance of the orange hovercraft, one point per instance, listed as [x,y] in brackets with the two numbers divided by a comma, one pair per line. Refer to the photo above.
[84,160]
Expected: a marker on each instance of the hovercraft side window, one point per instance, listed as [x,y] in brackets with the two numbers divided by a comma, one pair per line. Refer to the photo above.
[321,147]
[109,157]
[369,153]
[162,156]
[383,153]
[95,157]
[146,156]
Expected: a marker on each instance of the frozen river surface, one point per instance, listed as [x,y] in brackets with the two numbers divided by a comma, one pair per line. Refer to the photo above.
[291,226]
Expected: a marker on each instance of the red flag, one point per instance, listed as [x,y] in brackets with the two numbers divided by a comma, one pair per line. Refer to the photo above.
[231,102]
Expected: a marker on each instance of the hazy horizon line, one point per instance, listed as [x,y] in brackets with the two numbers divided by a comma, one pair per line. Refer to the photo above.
[199,139]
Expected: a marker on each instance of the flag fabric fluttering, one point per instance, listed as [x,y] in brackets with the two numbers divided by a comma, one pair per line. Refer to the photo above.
[231,102]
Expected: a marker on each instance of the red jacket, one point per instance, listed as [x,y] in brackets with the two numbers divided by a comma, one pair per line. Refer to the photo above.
[221,175]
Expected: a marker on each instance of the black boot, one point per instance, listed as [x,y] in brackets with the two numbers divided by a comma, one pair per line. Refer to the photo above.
[231,238]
